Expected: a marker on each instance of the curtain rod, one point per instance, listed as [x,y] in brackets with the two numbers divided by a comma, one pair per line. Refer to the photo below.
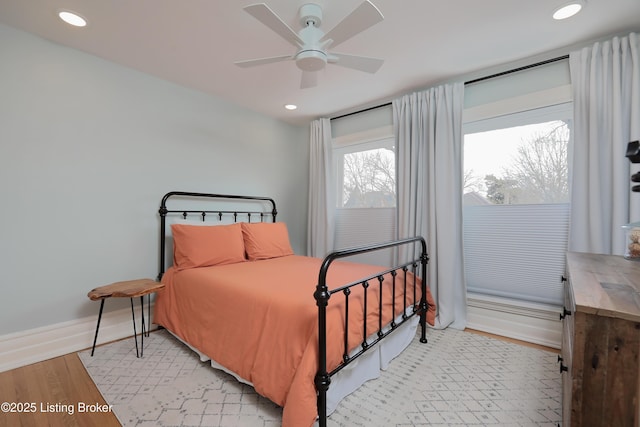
[361,111]
[515,70]
[480,79]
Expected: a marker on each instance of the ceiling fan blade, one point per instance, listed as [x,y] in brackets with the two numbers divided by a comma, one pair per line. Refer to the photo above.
[262,61]
[362,63]
[264,14]
[363,17]
[309,79]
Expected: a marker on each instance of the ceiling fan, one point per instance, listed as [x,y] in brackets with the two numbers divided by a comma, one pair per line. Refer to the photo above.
[312,42]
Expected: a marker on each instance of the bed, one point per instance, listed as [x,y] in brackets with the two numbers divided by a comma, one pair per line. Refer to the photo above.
[293,327]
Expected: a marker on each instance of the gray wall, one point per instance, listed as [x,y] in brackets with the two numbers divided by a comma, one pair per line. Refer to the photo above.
[88,148]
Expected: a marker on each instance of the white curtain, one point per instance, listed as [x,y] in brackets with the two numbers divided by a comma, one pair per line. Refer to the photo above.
[606,95]
[320,233]
[428,130]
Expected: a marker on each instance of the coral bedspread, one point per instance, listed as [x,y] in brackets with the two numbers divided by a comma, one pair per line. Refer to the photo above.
[259,319]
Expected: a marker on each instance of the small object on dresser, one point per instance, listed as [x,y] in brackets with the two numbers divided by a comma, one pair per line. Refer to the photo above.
[127,289]
[632,250]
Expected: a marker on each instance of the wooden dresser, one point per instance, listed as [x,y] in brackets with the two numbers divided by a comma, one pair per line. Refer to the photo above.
[601,342]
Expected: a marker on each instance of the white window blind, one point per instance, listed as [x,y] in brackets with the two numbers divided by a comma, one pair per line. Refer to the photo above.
[516,251]
[359,227]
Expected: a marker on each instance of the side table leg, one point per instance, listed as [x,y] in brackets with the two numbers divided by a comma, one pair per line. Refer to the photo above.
[148,313]
[144,331]
[95,338]
[135,334]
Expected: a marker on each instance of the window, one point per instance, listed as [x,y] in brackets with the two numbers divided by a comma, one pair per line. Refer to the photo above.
[516,203]
[366,190]
[366,174]
[518,159]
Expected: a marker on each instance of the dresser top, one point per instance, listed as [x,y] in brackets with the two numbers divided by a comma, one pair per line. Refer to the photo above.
[607,285]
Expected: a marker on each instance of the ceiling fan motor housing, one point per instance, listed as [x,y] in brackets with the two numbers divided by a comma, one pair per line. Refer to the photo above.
[311,56]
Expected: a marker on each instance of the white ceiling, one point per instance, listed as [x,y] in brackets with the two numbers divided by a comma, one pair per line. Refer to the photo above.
[194,43]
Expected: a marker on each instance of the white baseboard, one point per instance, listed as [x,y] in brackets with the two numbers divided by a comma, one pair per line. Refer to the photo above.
[529,322]
[35,345]
[535,323]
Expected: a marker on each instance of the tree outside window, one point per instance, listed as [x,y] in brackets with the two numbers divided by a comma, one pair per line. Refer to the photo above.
[366,175]
[518,165]
[369,179]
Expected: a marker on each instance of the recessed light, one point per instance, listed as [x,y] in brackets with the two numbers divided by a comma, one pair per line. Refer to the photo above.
[290,106]
[568,10]
[72,18]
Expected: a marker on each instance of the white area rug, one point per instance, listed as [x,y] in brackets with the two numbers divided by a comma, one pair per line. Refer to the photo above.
[458,378]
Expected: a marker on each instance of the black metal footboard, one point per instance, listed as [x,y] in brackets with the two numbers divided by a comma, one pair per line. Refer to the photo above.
[408,283]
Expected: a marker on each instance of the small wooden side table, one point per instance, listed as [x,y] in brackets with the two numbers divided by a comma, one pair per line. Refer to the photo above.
[127,289]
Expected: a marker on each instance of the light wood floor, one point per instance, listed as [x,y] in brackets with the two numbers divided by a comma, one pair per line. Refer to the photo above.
[515,341]
[65,382]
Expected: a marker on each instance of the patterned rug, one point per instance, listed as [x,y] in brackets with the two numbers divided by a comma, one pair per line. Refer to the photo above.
[457,379]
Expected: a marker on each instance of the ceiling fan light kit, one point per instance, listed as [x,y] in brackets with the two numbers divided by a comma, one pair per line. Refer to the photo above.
[312,42]
[311,60]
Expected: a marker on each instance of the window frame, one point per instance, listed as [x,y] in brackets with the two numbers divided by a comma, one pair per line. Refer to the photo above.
[382,137]
[541,106]
[364,225]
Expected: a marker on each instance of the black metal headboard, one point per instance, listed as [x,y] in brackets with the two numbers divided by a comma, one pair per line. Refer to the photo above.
[202,213]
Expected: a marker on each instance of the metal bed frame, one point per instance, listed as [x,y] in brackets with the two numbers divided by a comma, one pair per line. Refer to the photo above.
[322,294]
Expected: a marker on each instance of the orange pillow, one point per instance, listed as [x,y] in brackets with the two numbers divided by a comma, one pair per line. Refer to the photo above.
[203,246]
[263,240]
